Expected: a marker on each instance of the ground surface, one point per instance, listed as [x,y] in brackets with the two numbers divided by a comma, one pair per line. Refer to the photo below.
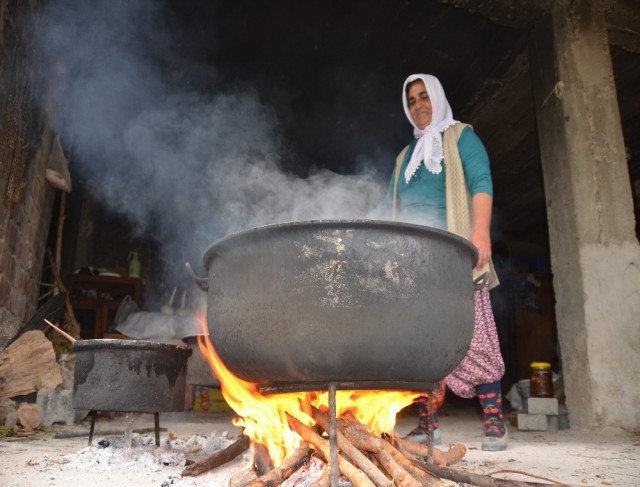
[580,458]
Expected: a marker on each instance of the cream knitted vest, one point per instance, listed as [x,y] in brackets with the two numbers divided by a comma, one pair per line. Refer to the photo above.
[459,206]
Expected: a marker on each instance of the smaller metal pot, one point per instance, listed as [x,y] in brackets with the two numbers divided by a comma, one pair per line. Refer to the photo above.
[199,371]
[129,375]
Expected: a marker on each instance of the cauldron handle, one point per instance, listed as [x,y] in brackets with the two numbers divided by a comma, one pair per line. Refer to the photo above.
[200,281]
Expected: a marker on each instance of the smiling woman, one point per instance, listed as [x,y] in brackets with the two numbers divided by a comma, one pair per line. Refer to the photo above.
[419,103]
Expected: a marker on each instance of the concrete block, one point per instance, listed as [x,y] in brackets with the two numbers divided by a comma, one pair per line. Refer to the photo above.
[543,405]
[552,423]
[532,422]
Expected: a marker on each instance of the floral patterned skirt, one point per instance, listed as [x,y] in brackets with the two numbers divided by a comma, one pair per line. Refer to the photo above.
[483,362]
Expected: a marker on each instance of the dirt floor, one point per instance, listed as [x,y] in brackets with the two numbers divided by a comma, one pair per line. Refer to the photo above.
[572,457]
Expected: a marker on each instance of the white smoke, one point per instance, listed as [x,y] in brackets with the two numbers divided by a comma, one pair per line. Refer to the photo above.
[185,165]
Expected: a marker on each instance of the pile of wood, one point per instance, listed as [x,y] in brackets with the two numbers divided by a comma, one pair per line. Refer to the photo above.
[364,460]
[28,365]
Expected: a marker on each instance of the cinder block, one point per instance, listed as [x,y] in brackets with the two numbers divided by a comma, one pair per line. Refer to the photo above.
[552,423]
[532,422]
[543,405]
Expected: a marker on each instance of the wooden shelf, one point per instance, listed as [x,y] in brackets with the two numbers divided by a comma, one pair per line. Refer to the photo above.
[96,299]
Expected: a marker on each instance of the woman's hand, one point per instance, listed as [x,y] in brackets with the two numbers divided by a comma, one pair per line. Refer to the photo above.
[481,235]
[482,241]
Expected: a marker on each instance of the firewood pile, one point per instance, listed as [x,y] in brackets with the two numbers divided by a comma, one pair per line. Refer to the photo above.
[364,460]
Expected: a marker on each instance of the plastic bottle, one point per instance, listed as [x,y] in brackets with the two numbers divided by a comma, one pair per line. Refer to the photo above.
[541,379]
[135,267]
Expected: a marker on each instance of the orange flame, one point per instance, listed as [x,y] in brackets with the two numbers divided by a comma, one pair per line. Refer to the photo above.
[263,417]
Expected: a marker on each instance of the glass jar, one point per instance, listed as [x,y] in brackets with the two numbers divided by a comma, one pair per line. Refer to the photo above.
[541,379]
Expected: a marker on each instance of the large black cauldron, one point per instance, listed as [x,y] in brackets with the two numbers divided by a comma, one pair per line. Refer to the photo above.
[362,304]
[129,375]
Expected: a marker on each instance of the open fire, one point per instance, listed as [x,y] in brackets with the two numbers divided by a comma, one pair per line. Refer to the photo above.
[263,417]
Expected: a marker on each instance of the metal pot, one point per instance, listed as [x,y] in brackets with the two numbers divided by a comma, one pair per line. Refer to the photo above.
[129,375]
[361,304]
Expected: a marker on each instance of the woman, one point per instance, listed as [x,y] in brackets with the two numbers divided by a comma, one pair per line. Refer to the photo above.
[443,179]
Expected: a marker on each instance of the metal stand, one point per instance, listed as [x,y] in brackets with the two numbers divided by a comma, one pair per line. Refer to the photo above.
[333,438]
[156,423]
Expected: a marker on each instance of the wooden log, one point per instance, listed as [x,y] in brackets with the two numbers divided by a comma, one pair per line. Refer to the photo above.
[281,473]
[422,451]
[384,452]
[218,458]
[426,479]
[29,416]
[262,463]
[356,476]
[399,474]
[363,439]
[243,478]
[28,365]
[358,458]
[478,480]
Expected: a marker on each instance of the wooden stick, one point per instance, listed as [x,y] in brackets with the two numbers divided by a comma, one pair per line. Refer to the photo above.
[478,480]
[364,439]
[218,458]
[278,475]
[356,476]
[62,332]
[414,449]
[67,303]
[358,458]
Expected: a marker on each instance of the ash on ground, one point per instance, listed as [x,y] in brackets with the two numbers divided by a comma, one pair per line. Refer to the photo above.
[108,453]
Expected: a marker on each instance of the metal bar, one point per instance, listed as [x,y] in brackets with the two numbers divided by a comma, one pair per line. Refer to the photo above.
[156,420]
[128,431]
[430,421]
[333,437]
[93,414]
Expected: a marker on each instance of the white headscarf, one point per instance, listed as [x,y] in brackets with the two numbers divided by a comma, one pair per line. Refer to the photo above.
[429,146]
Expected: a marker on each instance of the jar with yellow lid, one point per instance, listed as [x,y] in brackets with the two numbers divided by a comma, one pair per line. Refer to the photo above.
[541,379]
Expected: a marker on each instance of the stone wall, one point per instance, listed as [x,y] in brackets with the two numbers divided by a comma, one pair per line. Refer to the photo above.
[26,199]
[23,236]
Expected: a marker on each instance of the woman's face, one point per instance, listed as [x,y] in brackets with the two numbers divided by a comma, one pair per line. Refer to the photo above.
[419,104]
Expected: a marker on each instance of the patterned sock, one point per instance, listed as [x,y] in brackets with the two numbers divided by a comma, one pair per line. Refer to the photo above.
[423,415]
[490,396]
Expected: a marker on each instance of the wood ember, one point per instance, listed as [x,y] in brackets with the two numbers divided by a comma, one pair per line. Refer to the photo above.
[28,365]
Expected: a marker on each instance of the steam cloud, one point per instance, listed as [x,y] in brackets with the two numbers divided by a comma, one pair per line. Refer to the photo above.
[185,165]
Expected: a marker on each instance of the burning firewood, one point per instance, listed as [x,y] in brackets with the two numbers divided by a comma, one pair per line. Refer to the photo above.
[384,453]
[356,477]
[278,475]
[358,458]
[218,458]
[262,463]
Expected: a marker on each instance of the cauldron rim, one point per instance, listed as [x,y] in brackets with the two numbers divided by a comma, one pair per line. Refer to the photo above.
[341,224]
[129,345]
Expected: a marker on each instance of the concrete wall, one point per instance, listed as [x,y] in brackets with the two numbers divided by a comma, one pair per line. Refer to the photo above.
[594,250]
